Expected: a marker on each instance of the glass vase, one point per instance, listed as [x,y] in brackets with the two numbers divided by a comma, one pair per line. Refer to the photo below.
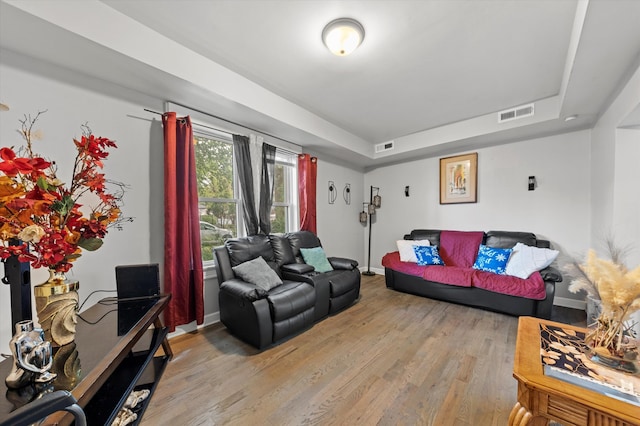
[612,343]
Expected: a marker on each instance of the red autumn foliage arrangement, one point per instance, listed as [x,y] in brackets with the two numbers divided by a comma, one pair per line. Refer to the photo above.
[46,222]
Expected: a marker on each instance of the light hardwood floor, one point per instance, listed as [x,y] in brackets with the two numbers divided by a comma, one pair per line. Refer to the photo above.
[390,359]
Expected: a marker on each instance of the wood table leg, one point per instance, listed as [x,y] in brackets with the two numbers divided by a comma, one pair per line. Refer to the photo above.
[519,415]
[165,343]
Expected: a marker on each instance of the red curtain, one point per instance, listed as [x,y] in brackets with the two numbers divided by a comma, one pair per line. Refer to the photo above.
[183,275]
[307,174]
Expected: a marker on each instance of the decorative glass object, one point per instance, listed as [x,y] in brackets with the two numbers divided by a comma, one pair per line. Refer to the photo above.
[611,342]
[32,357]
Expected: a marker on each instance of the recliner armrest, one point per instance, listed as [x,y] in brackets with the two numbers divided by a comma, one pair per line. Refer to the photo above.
[551,274]
[297,268]
[243,289]
[343,263]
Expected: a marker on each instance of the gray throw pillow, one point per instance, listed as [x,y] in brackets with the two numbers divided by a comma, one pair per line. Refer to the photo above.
[258,272]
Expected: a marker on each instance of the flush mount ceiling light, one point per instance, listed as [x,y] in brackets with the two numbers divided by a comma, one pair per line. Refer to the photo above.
[343,35]
[571,117]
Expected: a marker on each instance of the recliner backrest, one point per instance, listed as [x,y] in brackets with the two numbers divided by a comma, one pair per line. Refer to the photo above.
[248,248]
[282,252]
[302,239]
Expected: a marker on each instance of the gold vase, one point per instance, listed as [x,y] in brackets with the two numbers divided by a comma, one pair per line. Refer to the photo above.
[57,307]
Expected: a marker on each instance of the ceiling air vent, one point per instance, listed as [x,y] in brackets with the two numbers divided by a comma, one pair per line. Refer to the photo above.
[382,147]
[515,113]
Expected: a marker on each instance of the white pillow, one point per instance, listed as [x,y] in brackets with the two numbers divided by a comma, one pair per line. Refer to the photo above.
[405,247]
[525,260]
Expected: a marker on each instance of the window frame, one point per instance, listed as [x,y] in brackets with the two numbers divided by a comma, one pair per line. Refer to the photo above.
[284,157]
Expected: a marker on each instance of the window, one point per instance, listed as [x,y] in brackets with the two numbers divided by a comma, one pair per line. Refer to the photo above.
[219,203]
[284,214]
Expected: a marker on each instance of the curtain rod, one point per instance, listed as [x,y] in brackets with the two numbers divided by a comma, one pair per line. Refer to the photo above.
[228,121]
[226,132]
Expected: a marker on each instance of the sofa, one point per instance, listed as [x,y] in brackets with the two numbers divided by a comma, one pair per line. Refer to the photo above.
[460,281]
[266,307]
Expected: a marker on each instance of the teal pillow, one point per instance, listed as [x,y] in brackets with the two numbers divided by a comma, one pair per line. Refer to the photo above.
[492,259]
[316,258]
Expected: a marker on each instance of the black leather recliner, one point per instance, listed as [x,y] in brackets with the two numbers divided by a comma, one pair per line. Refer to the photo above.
[263,318]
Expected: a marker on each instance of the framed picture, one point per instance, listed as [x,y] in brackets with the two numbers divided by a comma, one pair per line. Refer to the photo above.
[459,179]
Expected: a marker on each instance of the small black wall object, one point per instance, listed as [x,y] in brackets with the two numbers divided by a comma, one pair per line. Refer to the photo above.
[406,191]
[532,183]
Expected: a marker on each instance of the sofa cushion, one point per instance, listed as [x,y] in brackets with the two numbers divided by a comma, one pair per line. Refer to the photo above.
[317,258]
[526,260]
[453,275]
[491,259]
[427,255]
[257,272]
[405,248]
[531,288]
[392,261]
[459,248]
[507,239]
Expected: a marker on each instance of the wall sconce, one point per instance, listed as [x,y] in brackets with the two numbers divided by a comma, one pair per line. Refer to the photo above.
[346,193]
[333,193]
[532,183]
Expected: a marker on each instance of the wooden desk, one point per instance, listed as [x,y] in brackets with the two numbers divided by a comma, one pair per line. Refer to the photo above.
[542,398]
[116,350]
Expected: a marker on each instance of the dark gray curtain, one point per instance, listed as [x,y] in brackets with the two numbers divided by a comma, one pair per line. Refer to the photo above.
[266,187]
[243,163]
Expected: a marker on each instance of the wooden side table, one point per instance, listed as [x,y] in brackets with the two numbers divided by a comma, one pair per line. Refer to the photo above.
[542,398]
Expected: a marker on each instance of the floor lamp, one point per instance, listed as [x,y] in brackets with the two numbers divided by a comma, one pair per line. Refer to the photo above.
[375,201]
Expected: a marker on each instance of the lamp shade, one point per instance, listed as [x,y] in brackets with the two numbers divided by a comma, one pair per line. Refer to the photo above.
[342,36]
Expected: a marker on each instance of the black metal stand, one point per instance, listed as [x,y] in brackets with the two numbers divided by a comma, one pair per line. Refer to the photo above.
[18,275]
[368,271]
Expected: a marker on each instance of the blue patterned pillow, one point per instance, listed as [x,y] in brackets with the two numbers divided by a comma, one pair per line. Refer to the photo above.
[492,259]
[428,255]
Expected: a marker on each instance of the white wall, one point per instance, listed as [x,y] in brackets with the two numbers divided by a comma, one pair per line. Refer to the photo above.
[626,208]
[557,210]
[69,105]
[338,225]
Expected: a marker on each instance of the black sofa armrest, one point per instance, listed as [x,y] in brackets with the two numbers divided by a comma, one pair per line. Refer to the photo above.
[551,274]
[297,268]
[343,263]
[243,289]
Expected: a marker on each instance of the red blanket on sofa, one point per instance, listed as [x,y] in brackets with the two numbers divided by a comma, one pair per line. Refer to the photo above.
[531,288]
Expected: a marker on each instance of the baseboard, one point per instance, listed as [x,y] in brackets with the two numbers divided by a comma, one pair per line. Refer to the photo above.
[570,303]
[209,319]
[374,270]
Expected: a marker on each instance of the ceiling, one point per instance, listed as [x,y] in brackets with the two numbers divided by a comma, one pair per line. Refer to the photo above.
[430,75]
